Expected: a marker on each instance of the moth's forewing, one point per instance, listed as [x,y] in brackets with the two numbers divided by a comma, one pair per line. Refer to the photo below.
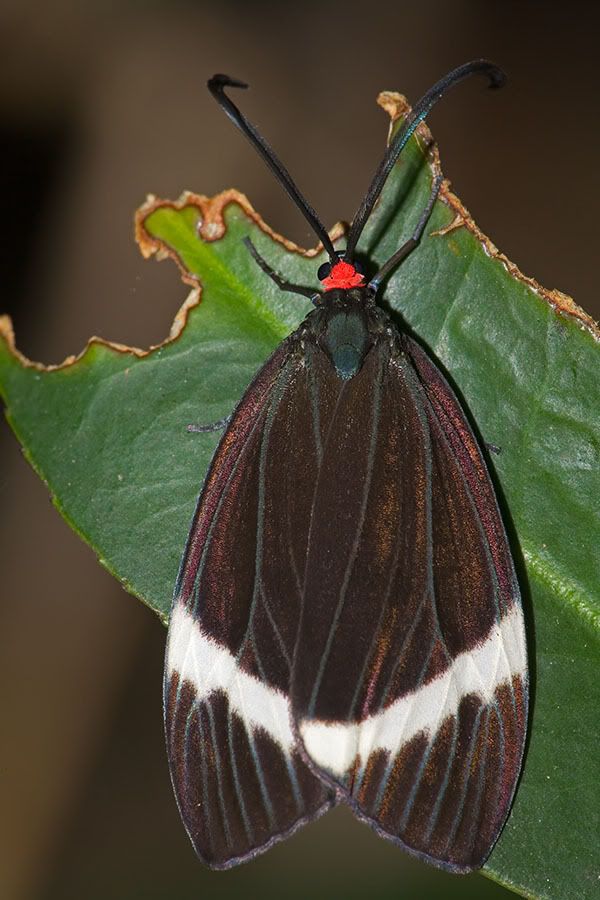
[238,776]
[347,616]
[409,685]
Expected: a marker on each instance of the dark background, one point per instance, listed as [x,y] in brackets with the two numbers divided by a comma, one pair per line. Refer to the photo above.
[101,103]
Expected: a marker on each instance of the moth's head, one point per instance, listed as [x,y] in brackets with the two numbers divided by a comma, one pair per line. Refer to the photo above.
[340,275]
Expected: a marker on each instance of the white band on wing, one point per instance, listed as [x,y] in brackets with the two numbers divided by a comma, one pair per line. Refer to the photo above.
[210,667]
[334,746]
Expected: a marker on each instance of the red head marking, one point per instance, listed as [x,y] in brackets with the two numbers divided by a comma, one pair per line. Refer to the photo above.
[343,276]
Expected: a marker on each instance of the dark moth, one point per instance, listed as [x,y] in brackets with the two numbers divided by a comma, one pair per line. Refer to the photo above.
[346,625]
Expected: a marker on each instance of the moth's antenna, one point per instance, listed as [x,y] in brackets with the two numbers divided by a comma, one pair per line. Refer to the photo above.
[216,86]
[419,112]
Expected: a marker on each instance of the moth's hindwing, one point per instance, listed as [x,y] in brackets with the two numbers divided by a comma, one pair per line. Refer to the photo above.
[237,772]
[409,684]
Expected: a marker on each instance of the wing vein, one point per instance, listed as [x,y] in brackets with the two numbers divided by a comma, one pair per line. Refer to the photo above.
[465,786]
[236,777]
[352,556]
[426,755]
[273,623]
[219,773]
[434,815]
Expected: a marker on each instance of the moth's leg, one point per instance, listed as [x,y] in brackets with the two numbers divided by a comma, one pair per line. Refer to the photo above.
[413,241]
[213,426]
[493,448]
[279,281]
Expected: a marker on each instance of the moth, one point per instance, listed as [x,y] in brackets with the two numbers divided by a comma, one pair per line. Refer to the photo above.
[346,625]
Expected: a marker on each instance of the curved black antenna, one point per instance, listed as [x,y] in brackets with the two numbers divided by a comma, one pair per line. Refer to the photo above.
[418,113]
[216,86]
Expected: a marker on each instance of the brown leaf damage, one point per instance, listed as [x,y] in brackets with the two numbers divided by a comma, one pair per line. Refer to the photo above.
[397,107]
[213,228]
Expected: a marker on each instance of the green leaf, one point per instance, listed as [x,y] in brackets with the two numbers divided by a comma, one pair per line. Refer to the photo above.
[107,433]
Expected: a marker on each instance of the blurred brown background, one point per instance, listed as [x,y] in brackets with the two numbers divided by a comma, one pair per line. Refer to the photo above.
[101,103]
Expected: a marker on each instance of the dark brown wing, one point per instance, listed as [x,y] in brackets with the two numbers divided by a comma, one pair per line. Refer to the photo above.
[409,679]
[238,776]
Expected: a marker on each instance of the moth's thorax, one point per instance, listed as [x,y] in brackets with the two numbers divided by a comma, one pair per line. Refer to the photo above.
[346,325]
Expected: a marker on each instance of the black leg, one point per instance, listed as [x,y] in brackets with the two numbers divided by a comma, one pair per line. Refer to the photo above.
[279,281]
[412,242]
